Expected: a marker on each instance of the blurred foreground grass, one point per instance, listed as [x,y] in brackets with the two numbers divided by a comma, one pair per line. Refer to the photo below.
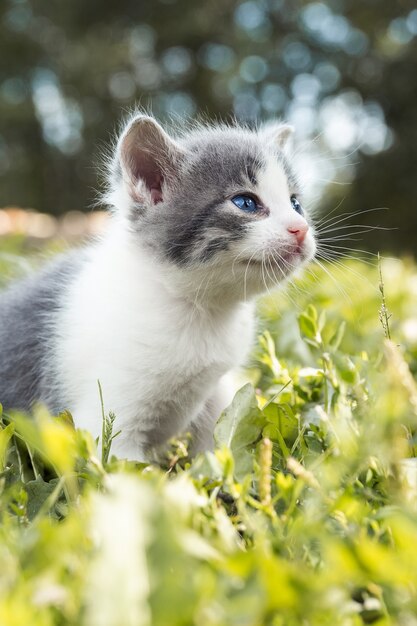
[306,513]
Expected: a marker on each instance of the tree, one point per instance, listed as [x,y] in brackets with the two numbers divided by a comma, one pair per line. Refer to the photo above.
[343,73]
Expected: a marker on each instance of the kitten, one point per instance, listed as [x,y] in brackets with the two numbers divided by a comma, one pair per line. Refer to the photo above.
[161,308]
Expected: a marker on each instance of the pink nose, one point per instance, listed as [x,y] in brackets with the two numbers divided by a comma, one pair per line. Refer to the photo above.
[299,231]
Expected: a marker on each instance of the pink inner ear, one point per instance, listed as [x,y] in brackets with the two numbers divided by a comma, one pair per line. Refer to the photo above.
[155,187]
[156,195]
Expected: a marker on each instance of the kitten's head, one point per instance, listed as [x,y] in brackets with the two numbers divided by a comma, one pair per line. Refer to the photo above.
[218,202]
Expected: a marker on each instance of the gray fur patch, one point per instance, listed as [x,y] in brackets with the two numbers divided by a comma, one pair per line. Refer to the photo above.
[27,312]
[195,237]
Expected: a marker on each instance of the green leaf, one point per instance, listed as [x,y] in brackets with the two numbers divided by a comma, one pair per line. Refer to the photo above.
[307,325]
[38,491]
[312,313]
[239,427]
[5,436]
[282,419]
[336,339]
[346,368]
[321,321]
[67,418]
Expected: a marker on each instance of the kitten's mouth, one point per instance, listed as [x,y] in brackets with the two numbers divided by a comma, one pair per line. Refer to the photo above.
[285,256]
[254,262]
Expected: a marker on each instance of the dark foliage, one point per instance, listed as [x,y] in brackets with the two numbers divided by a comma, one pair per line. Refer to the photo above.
[68,70]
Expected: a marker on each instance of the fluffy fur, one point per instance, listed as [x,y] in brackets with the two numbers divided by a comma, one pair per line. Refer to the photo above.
[161,308]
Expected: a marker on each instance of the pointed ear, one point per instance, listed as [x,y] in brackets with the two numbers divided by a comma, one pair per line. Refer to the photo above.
[278,133]
[148,157]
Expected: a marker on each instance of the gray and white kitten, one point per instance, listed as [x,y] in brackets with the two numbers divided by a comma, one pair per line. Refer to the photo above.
[160,309]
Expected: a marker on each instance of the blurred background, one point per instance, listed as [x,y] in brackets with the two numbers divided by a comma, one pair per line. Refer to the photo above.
[343,72]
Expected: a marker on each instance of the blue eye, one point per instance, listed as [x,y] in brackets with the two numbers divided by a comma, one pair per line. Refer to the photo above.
[296,205]
[245,203]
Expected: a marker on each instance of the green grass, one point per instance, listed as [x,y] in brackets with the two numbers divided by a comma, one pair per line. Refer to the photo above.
[305,514]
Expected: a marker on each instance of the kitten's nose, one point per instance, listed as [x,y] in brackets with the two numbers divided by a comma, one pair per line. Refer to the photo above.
[299,231]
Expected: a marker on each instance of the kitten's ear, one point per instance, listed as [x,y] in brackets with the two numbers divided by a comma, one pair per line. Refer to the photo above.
[148,157]
[278,133]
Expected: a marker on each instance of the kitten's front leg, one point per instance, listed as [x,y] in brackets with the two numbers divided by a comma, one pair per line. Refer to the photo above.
[125,448]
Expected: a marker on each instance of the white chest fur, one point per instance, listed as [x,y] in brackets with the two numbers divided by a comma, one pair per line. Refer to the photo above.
[157,357]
